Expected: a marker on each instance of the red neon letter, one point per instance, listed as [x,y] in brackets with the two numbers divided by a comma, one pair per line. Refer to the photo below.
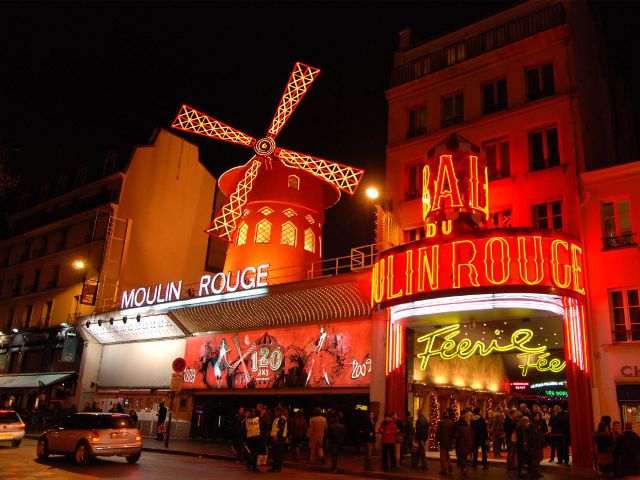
[457,265]
[446,173]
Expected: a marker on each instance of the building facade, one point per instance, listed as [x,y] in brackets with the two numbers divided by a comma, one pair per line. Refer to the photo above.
[522,89]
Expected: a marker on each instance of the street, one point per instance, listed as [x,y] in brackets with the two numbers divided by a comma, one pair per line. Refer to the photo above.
[21,463]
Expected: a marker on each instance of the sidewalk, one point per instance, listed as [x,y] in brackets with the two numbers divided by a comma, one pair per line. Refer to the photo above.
[351,464]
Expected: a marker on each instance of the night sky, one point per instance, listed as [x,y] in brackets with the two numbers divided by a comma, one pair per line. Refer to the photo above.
[79,79]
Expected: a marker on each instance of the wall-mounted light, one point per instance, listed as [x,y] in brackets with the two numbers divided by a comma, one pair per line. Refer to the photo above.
[138,318]
[100,322]
[15,330]
[124,319]
[111,321]
[88,324]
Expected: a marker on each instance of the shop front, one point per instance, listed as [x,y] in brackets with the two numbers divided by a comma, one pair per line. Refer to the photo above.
[327,365]
[479,316]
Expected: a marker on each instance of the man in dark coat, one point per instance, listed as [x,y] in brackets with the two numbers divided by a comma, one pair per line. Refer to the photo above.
[509,430]
[463,435]
[162,416]
[480,437]
[369,434]
[335,435]
[444,438]
[563,428]
[627,450]
[524,450]
[422,437]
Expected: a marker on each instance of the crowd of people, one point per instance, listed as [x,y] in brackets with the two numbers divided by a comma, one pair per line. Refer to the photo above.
[617,450]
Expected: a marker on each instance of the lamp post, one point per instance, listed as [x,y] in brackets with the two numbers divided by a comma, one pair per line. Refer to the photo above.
[89,281]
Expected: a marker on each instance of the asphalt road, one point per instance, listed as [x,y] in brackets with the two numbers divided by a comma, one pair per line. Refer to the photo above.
[22,463]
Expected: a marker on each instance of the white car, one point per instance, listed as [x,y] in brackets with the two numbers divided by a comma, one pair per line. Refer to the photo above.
[11,427]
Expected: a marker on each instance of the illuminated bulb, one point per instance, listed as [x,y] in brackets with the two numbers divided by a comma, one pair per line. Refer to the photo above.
[78,264]
[484,324]
[505,323]
[483,332]
[372,193]
[555,334]
[541,328]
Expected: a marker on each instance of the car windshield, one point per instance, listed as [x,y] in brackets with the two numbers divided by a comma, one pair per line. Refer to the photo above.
[113,421]
[9,417]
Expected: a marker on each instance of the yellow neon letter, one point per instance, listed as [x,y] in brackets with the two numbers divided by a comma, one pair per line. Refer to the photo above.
[446,173]
[523,260]
[457,266]
[504,262]
[576,266]
[377,282]
[555,265]
[390,272]
[409,272]
[428,267]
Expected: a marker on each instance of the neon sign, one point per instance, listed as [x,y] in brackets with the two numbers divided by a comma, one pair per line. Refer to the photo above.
[442,343]
[515,257]
[447,193]
[250,277]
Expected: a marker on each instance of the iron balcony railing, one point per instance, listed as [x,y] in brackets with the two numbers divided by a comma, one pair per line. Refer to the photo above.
[623,335]
[624,240]
[497,37]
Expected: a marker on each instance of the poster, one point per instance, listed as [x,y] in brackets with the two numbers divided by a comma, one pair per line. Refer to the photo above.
[309,356]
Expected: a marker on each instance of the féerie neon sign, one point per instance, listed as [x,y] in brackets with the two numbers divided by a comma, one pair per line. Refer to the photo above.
[449,348]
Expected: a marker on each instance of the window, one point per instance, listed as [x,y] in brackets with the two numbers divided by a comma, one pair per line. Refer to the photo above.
[616,224]
[500,219]
[309,241]
[494,96]
[61,187]
[456,53]
[28,311]
[241,237]
[17,286]
[540,82]
[47,308]
[81,177]
[497,154]
[543,148]
[55,276]
[62,244]
[414,181]
[10,317]
[625,309]
[417,122]
[36,280]
[288,234]
[414,234]
[293,182]
[452,110]
[289,213]
[266,211]
[548,215]
[263,232]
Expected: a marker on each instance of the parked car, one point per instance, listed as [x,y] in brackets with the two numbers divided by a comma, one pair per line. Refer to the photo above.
[11,427]
[88,435]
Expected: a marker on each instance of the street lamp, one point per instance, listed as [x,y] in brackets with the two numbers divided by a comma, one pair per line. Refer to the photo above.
[78,264]
[372,193]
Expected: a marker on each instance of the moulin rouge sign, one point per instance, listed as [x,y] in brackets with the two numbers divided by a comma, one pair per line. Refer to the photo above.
[461,250]
[250,277]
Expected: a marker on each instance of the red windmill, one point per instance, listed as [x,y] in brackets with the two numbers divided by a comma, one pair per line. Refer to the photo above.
[277,187]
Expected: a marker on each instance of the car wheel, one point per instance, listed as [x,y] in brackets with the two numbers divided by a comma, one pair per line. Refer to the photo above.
[82,454]
[133,458]
[42,450]
[16,443]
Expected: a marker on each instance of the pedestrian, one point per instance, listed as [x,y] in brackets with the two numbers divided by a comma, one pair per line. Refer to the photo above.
[298,433]
[315,433]
[134,417]
[511,438]
[444,438]
[480,438]
[564,441]
[496,428]
[265,434]
[604,449]
[278,437]
[237,437]
[162,416]
[522,434]
[388,430]
[87,407]
[627,449]
[418,456]
[616,429]
[397,448]
[95,407]
[252,440]
[409,434]
[464,440]
[555,435]
[119,408]
[525,410]
[335,434]
[113,408]
[537,429]
[369,434]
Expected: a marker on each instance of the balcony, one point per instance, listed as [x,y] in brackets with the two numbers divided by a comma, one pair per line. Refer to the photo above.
[416,132]
[622,335]
[449,122]
[537,95]
[620,241]
[482,43]
[543,164]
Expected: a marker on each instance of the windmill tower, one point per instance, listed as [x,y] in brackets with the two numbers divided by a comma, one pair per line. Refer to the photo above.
[275,208]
